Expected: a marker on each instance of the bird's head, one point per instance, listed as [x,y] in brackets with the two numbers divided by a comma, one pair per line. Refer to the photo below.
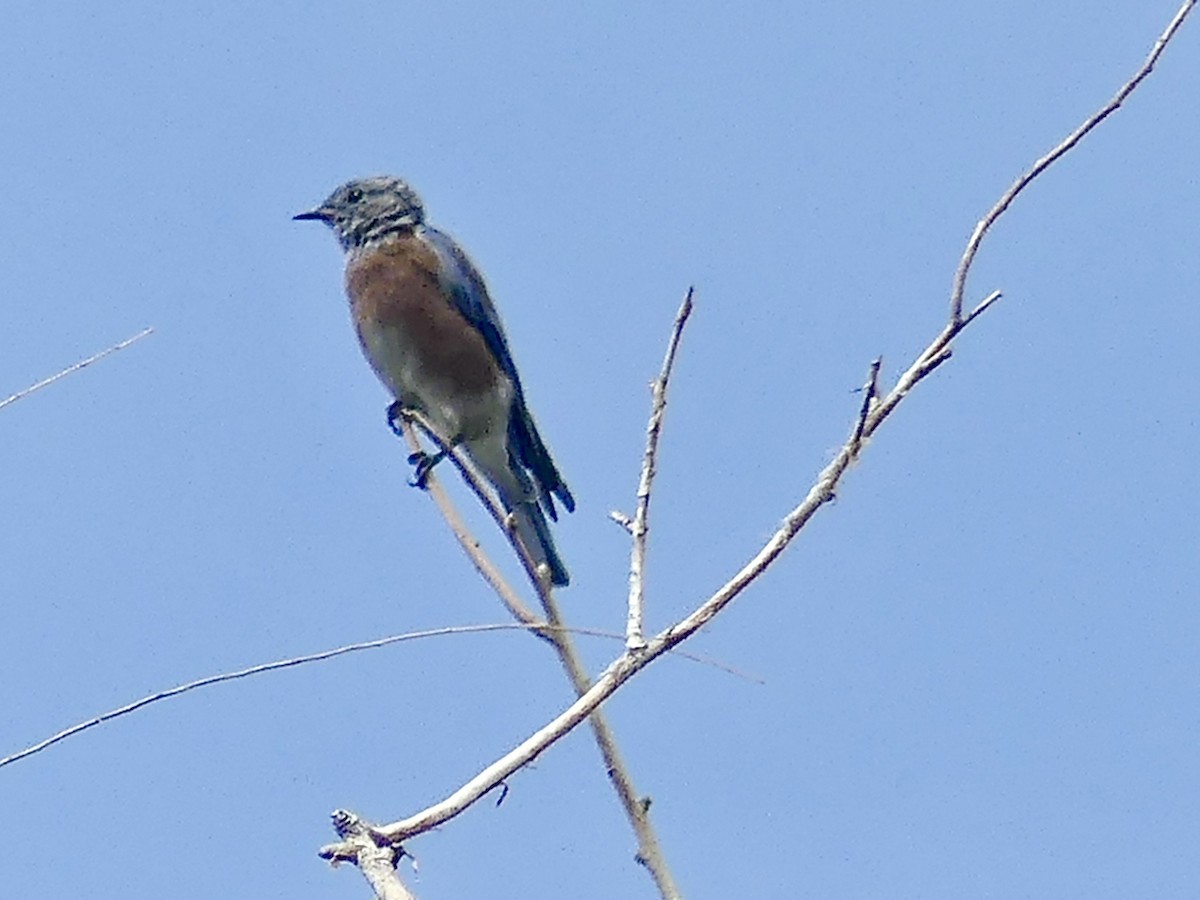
[366,210]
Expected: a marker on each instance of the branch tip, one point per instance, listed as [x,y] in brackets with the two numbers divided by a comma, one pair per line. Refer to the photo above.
[638,527]
[981,308]
[621,519]
[1023,180]
[870,391]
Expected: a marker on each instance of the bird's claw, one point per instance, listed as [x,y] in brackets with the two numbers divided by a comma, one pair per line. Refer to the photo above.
[397,415]
[423,464]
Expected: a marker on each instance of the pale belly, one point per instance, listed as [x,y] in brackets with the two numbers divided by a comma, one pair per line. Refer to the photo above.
[407,372]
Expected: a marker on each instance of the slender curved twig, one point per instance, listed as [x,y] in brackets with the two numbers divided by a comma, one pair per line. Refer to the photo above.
[1022,182]
[210,680]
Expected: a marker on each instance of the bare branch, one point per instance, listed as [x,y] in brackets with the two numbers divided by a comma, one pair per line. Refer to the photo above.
[480,487]
[968,257]
[624,667]
[75,368]
[618,672]
[637,807]
[470,544]
[557,634]
[873,413]
[634,636]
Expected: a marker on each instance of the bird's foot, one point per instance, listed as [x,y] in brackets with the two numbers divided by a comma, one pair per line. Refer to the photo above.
[423,464]
[397,415]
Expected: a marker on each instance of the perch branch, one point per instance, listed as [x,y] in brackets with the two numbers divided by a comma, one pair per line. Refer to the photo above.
[469,543]
[649,852]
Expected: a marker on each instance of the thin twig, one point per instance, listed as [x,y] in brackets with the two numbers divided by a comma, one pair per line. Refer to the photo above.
[75,368]
[968,257]
[328,654]
[244,673]
[870,393]
[621,519]
[981,307]
[301,660]
[635,637]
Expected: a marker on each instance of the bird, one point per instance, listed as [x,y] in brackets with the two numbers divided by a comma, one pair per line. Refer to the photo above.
[429,329]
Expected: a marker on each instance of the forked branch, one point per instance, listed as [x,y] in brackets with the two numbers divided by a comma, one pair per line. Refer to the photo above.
[874,410]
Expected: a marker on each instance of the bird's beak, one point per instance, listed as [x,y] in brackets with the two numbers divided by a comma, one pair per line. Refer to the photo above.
[320,214]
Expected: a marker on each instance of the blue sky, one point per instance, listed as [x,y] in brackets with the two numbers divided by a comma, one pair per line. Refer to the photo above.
[980,669]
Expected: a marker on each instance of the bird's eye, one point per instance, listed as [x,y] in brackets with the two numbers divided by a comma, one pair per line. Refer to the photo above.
[355,195]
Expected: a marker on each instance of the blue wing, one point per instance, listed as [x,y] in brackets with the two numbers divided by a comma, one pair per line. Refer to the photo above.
[465,286]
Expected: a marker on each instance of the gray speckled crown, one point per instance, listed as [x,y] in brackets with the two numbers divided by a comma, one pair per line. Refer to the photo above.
[366,210]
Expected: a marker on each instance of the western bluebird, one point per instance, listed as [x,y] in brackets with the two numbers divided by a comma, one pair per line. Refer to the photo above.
[429,330]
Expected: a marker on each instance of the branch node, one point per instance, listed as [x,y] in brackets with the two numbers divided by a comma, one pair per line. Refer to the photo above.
[361,842]
[621,519]
[980,308]
[870,397]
